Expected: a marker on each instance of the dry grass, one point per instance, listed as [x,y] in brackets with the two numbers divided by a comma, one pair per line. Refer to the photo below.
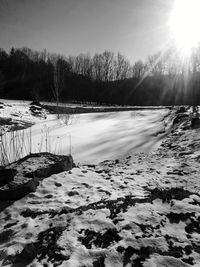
[18,144]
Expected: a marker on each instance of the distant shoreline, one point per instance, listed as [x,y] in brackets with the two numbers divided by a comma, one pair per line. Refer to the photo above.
[79,110]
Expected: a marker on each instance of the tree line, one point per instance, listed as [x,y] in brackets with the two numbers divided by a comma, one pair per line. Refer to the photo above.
[165,78]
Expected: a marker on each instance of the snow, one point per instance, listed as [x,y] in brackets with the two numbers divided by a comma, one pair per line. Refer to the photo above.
[85,185]
[107,214]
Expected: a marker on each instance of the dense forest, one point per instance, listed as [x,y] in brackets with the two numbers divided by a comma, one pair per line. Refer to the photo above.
[165,78]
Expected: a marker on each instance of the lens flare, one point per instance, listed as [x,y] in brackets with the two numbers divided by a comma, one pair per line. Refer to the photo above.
[185,24]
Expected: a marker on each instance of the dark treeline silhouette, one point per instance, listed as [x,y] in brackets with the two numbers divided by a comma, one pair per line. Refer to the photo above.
[163,79]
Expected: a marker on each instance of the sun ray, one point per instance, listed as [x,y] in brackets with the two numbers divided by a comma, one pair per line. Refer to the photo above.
[184,24]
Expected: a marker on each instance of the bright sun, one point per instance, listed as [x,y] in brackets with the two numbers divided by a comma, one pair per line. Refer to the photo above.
[185,24]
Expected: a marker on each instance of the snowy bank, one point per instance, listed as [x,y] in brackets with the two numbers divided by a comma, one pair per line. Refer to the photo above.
[141,210]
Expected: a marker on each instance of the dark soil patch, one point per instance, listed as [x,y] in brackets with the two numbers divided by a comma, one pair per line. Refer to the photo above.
[194,226]
[196,247]
[137,256]
[98,239]
[47,245]
[166,195]
[188,260]
[8,225]
[141,255]
[177,217]
[99,262]
[174,250]
[188,249]
[119,205]
[6,235]
[45,248]
[115,206]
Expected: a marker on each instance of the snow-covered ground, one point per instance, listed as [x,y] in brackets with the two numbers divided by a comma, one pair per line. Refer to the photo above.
[139,210]
[142,210]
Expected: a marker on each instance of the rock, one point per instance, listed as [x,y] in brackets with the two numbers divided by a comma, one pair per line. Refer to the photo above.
[195,122]
[73,193]
[27,255]
[19,191]
[35,103]
[58,184]
[6,176]
[181,110]
[37,110]
[5,121]
[180,117]
[25,182]
[61,163]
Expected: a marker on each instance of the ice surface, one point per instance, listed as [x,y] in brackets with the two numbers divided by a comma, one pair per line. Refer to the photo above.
[92,138]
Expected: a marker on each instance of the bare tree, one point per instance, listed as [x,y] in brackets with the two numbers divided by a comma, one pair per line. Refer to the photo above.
[97,63]
[122,68]
[156,64]
[83,65]
[59,75]
[1,81]
[139,69]
[107,65]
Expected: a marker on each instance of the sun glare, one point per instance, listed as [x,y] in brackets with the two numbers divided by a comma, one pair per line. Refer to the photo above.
[185,24]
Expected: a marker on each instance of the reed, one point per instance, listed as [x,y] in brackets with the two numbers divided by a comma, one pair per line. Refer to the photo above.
[18,144]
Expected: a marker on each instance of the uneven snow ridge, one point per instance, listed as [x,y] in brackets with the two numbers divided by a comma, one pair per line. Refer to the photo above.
[142,210]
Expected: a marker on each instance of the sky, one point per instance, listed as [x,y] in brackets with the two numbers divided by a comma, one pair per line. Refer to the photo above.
[135,28]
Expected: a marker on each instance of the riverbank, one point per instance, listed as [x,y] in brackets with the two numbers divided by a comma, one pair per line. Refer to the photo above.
[142,210]
[89,137]
[17,115]
[73,109]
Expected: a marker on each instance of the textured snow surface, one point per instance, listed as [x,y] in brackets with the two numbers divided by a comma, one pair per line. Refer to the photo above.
[104,209]
[19,112]
[138,210]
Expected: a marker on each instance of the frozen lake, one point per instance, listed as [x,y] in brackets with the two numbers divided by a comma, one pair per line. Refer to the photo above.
[93,137]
